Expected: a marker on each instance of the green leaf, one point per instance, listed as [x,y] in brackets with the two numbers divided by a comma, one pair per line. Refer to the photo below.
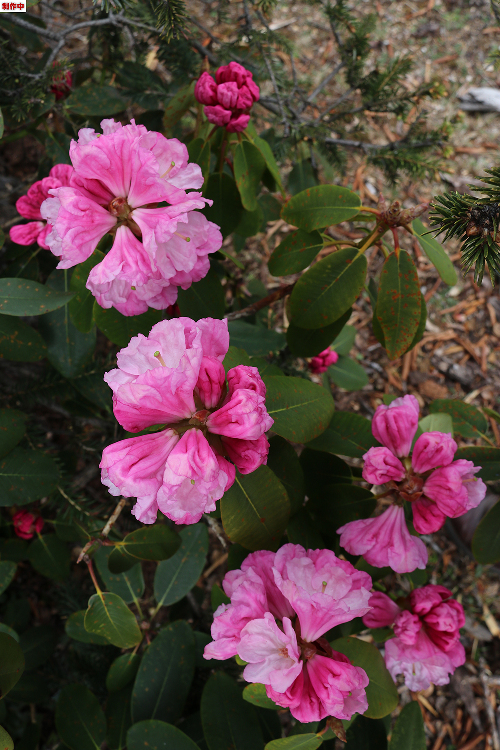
[347,435]
[321,469]
[175,577]
[487,458]
[486,539]
[266,151]
[11,663]
[31,688]
[301,409]
[249,164]
[7,573]
[339,504]
[255,339]
[436,253]
[218,597]
[119,718]
[96,101]
[158,735]
[12,429]
[398,303]
[329,288]
[345,340]
[284,462]
[24,298]
[199,153]
[321,206]
[295,253]
[122,671]
[307,342]
[109,616]
[235,357]
[93,387]
[26,476]
[436,423]
[205,299]
[467,419]
[165,675]
[38,644]
[20,342]
[50,556]
[229,722]
[409,732]
[13,634]
[80,721]
[366,734]
[307,741]
[381,693]
[257,696]
[421,325]
[177,106]
[255,510]
[75,628]
[226,210]
[128,585]
[81,307]
[303,530]
[302,176]
[6,741]
[68,350]
[348,374]
[158,542]
[121,328]
[249,225]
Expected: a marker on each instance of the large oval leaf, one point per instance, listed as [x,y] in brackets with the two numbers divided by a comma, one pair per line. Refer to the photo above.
[255,510]
[366,734]
[7,573]
[249,164]
[158,735]
[229,722]
[254,339]
[257,696]
[307,741]
[347,435]
[487,458]
[468,421]
[328,289]
[23,298]
[226,210]
[486,539]
[321,206]
[295,252]
[80,721]
[108,615]
[321,469]
[129,585]
[26,476]
[6,741]
[119,718]
[50,556]
[409,732]
[381,693]
[122,671]
[436,253]
[398,303]
[20,342]
[339,504]
[165,675]
[75,628]
[12,429]
[301,409]
[158,542]
[307,342]
[11,663]
[121,328]
[348,374]
[96,100]
[205,299]
[81,307]
[284,462]
[176,576]
[37,644]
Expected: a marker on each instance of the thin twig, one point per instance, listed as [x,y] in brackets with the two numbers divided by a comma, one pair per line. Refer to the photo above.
[264,302]
[113,517]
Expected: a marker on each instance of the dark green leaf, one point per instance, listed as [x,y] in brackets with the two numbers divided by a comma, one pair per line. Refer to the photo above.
[122,671]
[347,435]
[255,510]
[256,694]
[398,303]
[31,688]
[486,539]
[302,176]
[31,737]
[301,409]
[218,597]
[11,663]
[96,100]
[366,734]
[256,340]
[23,298]
[348,374]
[307,342]
[50,556]
[81,307]
[436,253]
[75,628]
[7,573]
[128,585]
[80,721]
[226,210]
[321,206]
[26,476]
[158,542]
[249,225]
[177,106]
[381,693]
[345,340]
[283,460]
[229,722]
[118,717]
[37,645]
[328,289]
[93,387]
[307,741]
[205,299]
[321,469]
[271,208]
[12,429]
[109,616]
[339,504]
[295,253]
[467,419]
[175,577]
[409,732]
[165,675]
[158,735]
[249,164]
[435,423]
[199,153]
[20,342]
[235,357]
[6,741]
[266,151]
[421,325]
[302,530]
[121,328]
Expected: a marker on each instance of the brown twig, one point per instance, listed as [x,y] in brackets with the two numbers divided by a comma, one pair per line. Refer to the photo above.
[264,302]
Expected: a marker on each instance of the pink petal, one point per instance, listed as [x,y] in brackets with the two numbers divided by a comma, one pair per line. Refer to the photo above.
[433,449]
[382,466]
[395,425]
[27,234]
[383,611]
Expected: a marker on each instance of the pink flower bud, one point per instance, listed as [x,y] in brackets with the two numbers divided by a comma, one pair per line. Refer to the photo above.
[237,124]
[243,376]
[245,98]
[433,449]
[247,455]
[395,425]
[455,489]
[382,466]
[26,524]
[244,416]
[210,383]
[338,684]
[407,627]
[427,518]
[322,361]
[227,95]
[205,90]
[233,72]
[217,115]
[383,611]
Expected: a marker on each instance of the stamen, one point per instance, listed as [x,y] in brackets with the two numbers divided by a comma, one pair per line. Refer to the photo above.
[133,288]
[192,481]
[188,239]
[160,359]
[172,165]
[325,584]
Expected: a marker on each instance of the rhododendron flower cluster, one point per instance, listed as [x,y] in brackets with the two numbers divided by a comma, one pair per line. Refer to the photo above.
[29,207]
[322,361]
[427,646]
[175,378]
[281,606]
[436,486]
[228,99]
[26,524]
[132,183]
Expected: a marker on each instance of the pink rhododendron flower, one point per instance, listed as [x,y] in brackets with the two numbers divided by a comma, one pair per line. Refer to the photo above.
[29,207]
[26,524]
[229,98]
[281,605]
[426,648]
[118,182]
[322,361]
[435,485]
[174,377]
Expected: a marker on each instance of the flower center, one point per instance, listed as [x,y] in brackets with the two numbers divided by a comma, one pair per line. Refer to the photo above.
[411,487]
[119,207]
